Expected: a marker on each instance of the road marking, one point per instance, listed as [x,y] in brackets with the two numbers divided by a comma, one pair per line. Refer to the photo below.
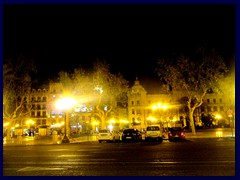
[41,169]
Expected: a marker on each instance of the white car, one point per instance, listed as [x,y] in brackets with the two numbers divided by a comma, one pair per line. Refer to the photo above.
[154,132]
[109,136]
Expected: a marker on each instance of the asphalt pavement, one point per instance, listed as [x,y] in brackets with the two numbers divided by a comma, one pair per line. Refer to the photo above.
[47,140]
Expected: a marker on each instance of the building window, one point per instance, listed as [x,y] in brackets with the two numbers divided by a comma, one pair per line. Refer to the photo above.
[138,111]
[220,100]
[39,99]
[138,102]
[38,114]
[132,103]
[214,108]
[133,112]
[39,122]
[44,99]
[214,100]
[44,114]
[221,108]
[208,109]
[208,100]
[44,121]
[44,106]
[32,114]
[38,107]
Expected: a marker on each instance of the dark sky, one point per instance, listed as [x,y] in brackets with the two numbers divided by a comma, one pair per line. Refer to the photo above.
[131,38]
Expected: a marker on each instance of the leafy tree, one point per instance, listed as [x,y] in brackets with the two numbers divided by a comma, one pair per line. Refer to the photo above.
[97,86]
[193,77]
[110,89]
[16,88]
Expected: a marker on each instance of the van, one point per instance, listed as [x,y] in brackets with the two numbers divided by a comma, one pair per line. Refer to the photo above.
[154,132]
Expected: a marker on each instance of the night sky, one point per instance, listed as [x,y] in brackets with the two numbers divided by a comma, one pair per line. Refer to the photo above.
[131,38]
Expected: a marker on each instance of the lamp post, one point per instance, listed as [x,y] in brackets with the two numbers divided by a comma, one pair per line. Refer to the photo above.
[65,104]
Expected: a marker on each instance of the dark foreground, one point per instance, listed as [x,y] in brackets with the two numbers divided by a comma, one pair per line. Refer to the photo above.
[195,157]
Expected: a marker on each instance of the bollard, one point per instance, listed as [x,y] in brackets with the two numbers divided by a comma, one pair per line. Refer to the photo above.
[54,137]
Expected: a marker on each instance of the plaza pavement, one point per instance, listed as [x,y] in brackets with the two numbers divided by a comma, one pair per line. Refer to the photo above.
[47,140]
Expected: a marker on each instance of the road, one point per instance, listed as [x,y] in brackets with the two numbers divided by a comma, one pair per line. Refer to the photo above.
[195,157]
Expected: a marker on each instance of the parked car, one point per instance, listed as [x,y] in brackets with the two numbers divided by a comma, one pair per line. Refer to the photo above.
[154,132]
[131,134]
[107,135]
[176,133]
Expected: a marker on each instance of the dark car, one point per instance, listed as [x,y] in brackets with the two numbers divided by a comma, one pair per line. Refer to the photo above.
[176,133]
[131,134]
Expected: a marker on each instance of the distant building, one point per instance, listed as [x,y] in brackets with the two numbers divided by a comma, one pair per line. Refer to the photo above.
[142,109]
[170,110]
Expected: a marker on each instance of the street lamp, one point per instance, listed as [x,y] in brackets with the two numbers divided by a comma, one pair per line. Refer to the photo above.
[65,104]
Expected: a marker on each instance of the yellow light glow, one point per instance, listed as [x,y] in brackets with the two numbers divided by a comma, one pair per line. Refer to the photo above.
[150,118]
[112,121]
[124,121]
[65,103]
[95,123]
[30,121]
[6,124]
[110,127]
[218,116]
[164,107]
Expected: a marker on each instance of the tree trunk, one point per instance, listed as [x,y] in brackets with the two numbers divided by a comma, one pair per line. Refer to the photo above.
[103,126]
[192,121]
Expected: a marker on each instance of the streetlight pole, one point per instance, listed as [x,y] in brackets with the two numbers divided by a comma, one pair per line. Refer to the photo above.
[65,104]
[65,138]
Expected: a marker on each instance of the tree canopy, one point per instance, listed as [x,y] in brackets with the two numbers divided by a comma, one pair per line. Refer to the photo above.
[102,88]
[193,77]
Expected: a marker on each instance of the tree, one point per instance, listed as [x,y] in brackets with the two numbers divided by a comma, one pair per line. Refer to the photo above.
[97,86]
[193,77]
[110,89]
[16,88]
